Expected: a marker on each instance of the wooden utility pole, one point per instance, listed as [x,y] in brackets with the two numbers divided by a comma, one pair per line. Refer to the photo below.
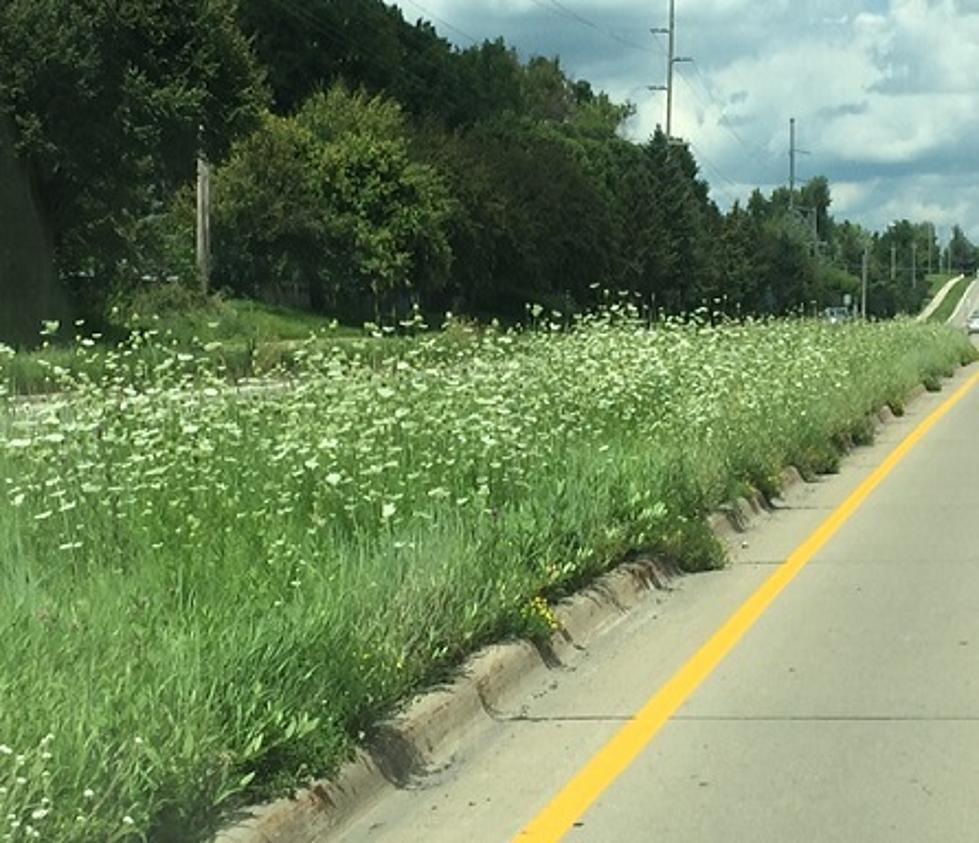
[914,266]
[203,223]
[671,60]
[863,283]
[791,162]
[893,264]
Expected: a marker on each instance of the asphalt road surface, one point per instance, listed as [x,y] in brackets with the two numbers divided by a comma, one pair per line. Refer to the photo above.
[848,712]
[969,303]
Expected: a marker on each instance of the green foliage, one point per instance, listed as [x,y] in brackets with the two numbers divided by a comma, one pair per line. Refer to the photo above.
[29,289]
[936,281]
[962,255]
[331,202]
[160,247]
[108,100]
[456,179]
[952,299]
[211,596]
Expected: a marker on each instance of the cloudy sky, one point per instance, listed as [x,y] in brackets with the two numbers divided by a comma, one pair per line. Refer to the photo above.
[885,92]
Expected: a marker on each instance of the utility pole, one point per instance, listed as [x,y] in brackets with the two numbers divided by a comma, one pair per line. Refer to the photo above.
[931,240]
[671,60]
[203,223]
[793,152]
[791,162]
[863,283]
[893,264]
[914,266]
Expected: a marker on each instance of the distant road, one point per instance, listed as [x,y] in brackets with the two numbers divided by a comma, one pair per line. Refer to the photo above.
[969,303]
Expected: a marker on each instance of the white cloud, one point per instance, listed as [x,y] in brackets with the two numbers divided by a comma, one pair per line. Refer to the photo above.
[883,90]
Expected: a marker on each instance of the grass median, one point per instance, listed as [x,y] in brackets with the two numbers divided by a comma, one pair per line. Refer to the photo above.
[936,281]
[210,598]
[950,303]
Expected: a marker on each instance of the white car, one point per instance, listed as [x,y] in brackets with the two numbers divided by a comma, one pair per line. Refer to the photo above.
[973,323]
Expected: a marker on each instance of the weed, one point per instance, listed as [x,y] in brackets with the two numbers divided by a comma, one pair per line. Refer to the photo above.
[208,598]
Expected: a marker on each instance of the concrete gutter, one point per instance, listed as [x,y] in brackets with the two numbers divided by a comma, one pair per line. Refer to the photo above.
[936,302]
[433,723]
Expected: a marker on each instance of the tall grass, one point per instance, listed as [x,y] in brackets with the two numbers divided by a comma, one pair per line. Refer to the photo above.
[209,597]
[228,337]
[951,302]
[936,281]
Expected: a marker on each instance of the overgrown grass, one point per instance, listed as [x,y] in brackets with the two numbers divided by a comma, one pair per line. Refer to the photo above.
[936,281]
[207,598]
[233,338]
[951,301]
[238,321]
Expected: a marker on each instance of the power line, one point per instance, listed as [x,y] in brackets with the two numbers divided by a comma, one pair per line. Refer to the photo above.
[307,17]
[658,43]
[444,22]
[752,156]
[722,119]
[714,168]
[750,148]
[557,8]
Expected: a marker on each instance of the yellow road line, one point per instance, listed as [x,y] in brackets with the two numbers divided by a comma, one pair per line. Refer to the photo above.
[614,758]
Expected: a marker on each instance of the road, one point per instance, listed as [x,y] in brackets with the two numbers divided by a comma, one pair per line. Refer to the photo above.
[849,711]
[969,303]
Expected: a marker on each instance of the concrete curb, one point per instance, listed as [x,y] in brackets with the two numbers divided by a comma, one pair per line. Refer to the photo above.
[434,723]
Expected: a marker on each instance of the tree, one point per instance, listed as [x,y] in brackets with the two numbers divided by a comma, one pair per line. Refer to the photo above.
[963,255]
[29,293]
[739,276]
[786,270]
[815,196]
[111,100]
[306,47]
[331,201]
[548,93]
[490,85]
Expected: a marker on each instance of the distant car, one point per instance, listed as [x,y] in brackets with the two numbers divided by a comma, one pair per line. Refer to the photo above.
[837,315]
[973,323]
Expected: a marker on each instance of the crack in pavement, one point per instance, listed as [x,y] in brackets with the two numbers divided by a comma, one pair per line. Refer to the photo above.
[824,718]
[737,718]
[573,718]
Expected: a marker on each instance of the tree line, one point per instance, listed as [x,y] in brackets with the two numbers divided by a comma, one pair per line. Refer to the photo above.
[364,165]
